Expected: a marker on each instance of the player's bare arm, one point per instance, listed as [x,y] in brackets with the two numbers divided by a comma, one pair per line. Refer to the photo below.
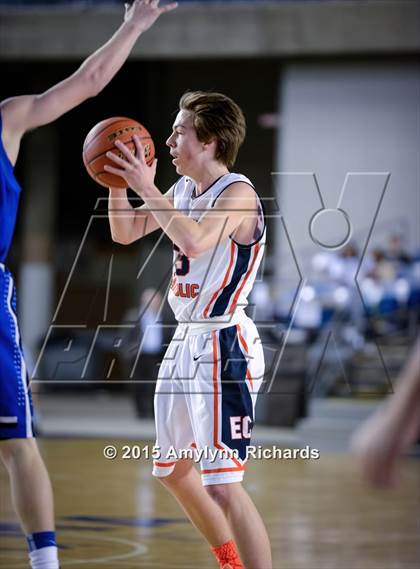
[196,237]
[192,237]
[129,224]
[379,441]
[26,112]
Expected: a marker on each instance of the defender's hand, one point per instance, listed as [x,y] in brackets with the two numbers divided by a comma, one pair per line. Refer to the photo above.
[144,13]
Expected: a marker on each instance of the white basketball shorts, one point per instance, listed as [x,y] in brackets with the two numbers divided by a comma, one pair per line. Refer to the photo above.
[205,399]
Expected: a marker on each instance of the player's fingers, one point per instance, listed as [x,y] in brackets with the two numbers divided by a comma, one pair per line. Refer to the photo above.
[113,170]
[168,7]
[126,151]
[117,159]
[139,150]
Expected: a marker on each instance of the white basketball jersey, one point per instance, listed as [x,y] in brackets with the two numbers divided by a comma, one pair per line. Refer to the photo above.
[215,285]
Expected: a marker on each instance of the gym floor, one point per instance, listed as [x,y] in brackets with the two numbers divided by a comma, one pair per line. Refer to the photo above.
[113,514]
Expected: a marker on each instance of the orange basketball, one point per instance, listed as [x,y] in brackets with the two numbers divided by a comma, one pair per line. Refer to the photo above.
[101,139]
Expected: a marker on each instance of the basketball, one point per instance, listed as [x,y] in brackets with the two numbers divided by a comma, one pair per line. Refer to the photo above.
[101,139]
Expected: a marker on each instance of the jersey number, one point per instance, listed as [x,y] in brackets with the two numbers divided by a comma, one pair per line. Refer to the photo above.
[182,263]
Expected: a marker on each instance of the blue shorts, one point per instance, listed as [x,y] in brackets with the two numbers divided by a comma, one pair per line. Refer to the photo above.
[15,397]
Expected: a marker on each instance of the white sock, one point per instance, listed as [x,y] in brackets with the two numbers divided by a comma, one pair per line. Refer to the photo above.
[44,558]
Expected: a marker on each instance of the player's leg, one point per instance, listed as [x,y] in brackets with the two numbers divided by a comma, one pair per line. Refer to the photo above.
[229,376]
[245,522]
[32,499]
[30,484]
[174,431]
[185,485]
[29,480]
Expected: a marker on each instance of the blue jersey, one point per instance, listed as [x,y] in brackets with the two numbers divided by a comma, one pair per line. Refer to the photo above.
[9,200]
[15,395]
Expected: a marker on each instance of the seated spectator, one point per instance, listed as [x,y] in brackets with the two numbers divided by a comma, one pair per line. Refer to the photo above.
[383,270]
[396,254]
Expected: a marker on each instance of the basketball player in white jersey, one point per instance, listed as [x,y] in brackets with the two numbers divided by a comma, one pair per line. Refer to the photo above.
[210,376]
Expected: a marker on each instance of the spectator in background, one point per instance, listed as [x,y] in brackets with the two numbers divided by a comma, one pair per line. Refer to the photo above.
[395,251]
[343,267]
[147,348]
[383,270]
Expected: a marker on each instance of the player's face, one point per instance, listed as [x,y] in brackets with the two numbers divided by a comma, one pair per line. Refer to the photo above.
[185,148]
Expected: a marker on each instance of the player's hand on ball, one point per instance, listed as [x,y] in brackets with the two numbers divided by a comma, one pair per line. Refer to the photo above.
[144,13]
[132,168]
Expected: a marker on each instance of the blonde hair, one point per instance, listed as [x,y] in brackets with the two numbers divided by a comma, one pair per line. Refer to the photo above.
[216,116]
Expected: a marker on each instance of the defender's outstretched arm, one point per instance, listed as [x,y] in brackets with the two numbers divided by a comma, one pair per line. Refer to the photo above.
[26,112]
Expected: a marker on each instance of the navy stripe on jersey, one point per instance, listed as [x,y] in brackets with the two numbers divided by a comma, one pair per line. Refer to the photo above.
[241,267]
[261,216]
[228,186]
[236,399]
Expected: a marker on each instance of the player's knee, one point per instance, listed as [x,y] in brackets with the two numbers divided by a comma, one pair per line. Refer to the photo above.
[178,476]
[167,481]
[221,494]
[171,481]
[13,450]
